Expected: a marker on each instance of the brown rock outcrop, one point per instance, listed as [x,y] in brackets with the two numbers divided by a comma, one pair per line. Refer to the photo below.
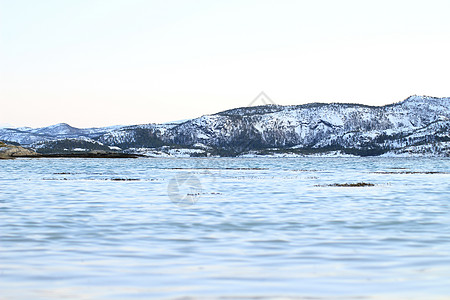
[10,151]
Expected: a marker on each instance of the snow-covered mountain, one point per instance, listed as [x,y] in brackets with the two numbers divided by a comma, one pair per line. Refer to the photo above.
[417,125]
[29,136]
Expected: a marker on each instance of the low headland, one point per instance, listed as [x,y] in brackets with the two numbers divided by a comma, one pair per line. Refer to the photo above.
[8,151]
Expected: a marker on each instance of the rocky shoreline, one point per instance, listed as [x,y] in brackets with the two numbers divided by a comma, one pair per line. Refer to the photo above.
[90,155]
[12,151]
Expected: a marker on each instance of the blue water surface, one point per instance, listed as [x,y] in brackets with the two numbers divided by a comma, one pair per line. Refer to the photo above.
[221,228]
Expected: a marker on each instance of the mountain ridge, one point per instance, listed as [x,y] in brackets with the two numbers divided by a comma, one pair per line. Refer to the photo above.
[417,121]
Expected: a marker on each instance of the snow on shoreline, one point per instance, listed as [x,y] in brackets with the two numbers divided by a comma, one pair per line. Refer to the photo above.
[323,154]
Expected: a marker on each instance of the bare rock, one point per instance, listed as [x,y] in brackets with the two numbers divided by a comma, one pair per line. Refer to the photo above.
[10,151]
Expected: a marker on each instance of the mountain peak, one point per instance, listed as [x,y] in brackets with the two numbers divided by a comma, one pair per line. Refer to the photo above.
[58,129]
[59,125]
[421,98]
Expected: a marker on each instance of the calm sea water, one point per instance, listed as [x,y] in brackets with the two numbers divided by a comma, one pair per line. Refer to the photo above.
[224,228]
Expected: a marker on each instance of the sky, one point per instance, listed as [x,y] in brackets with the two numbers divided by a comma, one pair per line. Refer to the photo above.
[92,63]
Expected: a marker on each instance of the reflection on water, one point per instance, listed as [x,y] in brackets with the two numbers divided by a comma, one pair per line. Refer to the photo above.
[259,227]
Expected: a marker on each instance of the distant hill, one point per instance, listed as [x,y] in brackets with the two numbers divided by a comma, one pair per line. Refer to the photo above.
[419,125]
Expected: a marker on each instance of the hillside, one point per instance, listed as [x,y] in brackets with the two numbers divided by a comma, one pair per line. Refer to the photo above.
[419,125]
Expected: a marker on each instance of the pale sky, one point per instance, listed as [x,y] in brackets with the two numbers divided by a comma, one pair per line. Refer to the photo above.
[106,62]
